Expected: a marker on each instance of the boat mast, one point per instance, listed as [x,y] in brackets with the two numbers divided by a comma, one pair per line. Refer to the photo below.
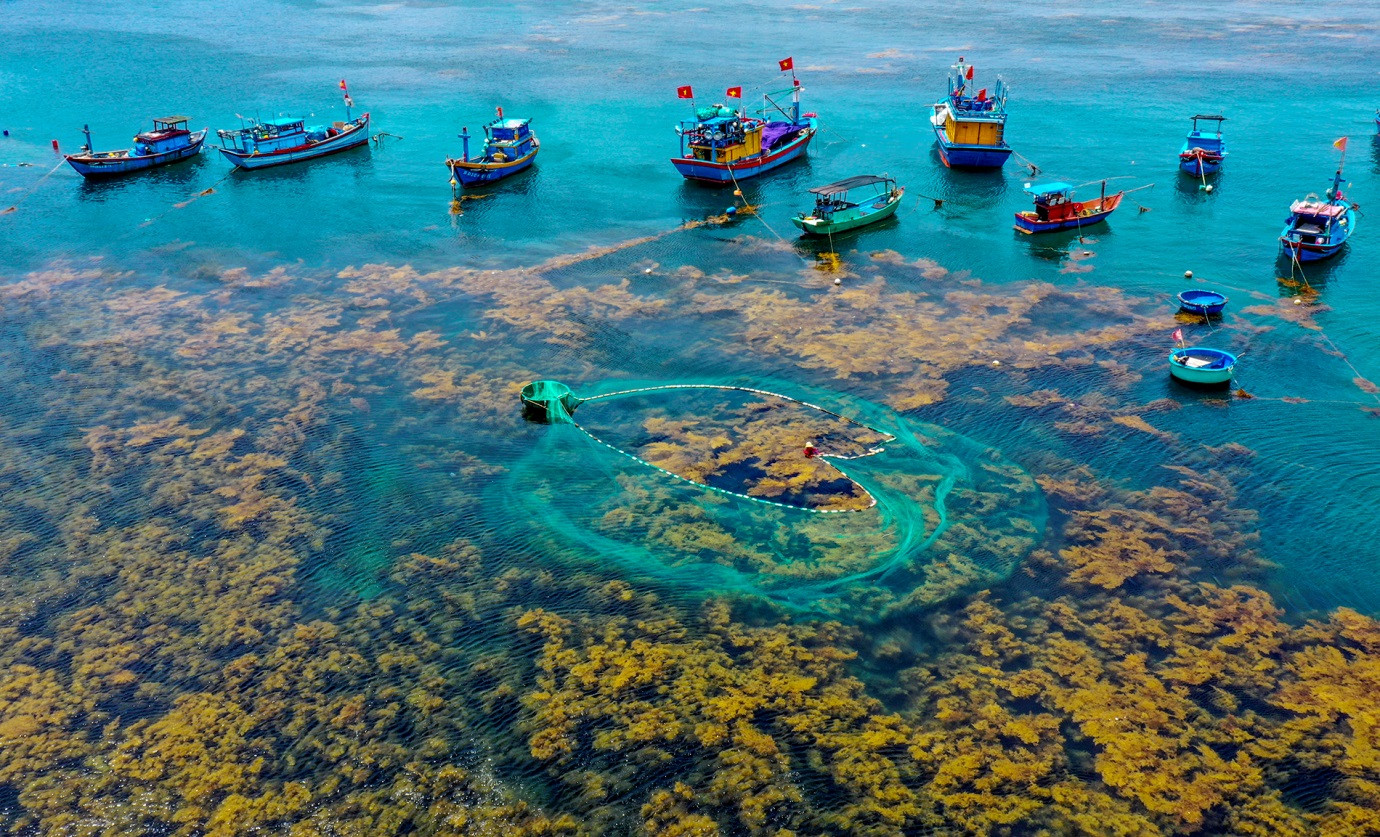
[1335,193]
[465,138]
[86,129]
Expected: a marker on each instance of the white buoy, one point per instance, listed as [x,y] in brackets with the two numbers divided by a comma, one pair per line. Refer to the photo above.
[648,270]
[838,280]
[1188,274]
[996,363]
[1298,301]
[1209,188]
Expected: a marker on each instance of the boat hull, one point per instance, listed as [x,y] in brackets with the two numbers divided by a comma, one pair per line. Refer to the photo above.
[704,171]
[1202,376]
[1205,304]
[1199,167]
[1029,223]
[814,227]
[1309,252]
[957,156]
[476,173]
[97,168]
[352,138]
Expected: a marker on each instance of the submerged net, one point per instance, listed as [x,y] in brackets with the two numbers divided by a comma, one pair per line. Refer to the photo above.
[716,488]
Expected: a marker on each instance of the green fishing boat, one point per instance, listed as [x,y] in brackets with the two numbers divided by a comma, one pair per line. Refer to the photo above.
[849,204]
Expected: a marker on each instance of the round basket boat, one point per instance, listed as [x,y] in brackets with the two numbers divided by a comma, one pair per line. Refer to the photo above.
[1200,365]
[1207,303]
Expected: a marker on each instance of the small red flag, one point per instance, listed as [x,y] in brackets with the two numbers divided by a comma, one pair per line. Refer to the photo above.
[735,92]
[786,64]
[969,75]
[1341,143]
[1178,335]
[342,84]
[685,92]
[982,95]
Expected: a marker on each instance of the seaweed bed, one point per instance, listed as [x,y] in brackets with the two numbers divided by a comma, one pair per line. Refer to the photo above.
[263,570]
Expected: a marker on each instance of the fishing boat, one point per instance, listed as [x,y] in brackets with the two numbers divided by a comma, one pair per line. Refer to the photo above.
[1200,365]
[723,145]
[970,126]
[277,142]
[1204,148]
[1055,208]
[1317,229]
[170,141]
[509,147]
[849,204]
[1202,302]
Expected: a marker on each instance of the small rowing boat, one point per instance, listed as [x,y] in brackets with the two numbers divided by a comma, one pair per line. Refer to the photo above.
[170,141]
[1204,148]
[849,204]
[1317,229]
[1055,208]
[509,147]
[1200,365]
[1203,302]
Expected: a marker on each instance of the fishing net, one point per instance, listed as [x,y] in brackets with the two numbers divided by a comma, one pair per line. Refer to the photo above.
[721,487]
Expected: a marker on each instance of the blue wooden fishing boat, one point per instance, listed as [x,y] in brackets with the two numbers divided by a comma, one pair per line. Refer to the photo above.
[277,142]
[841,206]
[1204,302]
[721,145]
[170,141]
[1055,208]
[509,147]
[970,125]
[1200,365]
[1204,148]
[1316,229]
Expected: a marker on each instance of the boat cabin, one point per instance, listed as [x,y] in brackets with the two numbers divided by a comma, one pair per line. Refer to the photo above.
[1312,222]
[1209,137]
[168,133]
[1053,201]
[838,196]
[973,117]
[269,136]
[506,139]
[721,138]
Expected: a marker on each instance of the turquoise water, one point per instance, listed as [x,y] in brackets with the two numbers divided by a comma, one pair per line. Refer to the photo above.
[1099,90]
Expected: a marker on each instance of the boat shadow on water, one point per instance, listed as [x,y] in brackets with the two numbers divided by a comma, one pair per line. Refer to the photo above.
[183,175]
[1189,191]
[813,246]
[358,161]
[1294,279]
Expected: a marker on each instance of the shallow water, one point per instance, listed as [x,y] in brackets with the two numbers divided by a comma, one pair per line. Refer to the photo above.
[228,413]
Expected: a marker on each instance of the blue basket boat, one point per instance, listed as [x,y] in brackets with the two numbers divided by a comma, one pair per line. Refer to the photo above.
[970,126]
[1206,303]
[1200,365]
[721,145]
[1204,148]
[277,142]
[170,141]
[509,147]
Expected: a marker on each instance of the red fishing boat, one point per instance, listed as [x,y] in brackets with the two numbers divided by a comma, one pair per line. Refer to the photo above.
[1055,208]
